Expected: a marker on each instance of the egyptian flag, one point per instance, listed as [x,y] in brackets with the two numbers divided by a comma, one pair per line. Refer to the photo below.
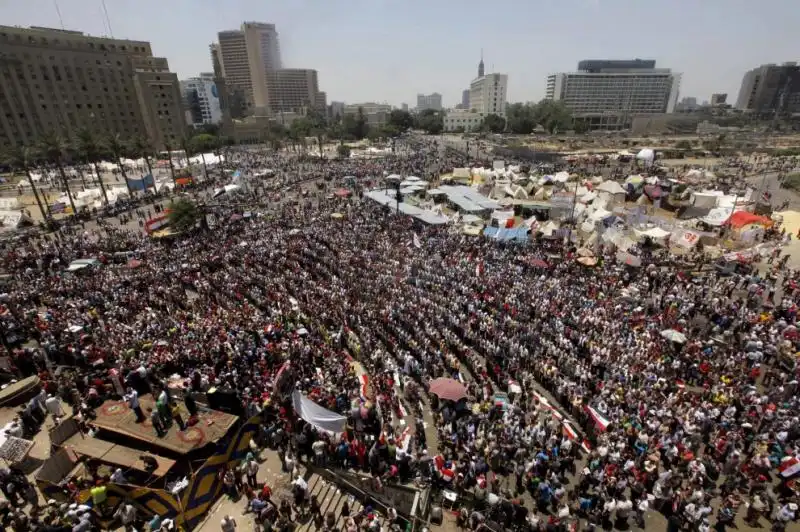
[600,420]
[569,432]
[790,466]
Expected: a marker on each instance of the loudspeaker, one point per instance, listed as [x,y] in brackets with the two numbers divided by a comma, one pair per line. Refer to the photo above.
[436,515]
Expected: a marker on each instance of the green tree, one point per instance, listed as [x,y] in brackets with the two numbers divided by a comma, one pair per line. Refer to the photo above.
[318,128]
[430,121]
[21,158]
[494,123]
[168,148]
[522,118]
[355,126]
[54,148]
[118,149]
[581,127]
[183,214]
[553,116]
[401,120]
[343,150]
[91,150]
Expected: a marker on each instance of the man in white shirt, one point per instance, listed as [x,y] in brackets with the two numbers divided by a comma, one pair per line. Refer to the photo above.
[132,397]
[228,524]
[53,406]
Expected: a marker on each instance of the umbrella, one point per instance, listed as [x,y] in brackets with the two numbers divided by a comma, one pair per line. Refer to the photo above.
[674,336]
[134,263]
[337,216]
[446,388]
[585,252]
[588,261]
[539,263]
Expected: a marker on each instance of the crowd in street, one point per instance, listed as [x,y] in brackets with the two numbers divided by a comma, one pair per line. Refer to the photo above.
[661,424]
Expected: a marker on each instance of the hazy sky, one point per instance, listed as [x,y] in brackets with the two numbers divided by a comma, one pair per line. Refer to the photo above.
[390,50]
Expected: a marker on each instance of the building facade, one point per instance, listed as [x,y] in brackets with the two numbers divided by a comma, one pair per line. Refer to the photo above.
[201,100]
[246,57]
[377,114]
[429,101]
[770,90]
[462,120]
[487,94]
[62,81]
[718,99]
[607,94]
[292,90]
[465,99]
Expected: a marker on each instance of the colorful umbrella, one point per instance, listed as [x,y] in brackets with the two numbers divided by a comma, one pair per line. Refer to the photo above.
[539,263]
[446,388]
[588,261]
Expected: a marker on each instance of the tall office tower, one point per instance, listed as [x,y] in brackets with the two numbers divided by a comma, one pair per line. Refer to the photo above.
[263,57]
[487,94]
[480,66]
[607,94]
[235,68]
[465,98]
[771,90]
[62,81]
[293,90]
[429,101]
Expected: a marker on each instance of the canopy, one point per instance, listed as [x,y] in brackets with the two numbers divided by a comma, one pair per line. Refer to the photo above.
[740,219]
[655,232]
[446,388]
[610,187]
[646,155]
[320,417]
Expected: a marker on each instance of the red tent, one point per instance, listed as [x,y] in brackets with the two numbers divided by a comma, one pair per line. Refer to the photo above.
[741,218]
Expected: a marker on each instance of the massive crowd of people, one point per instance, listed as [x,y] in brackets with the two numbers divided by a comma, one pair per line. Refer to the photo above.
[661,425]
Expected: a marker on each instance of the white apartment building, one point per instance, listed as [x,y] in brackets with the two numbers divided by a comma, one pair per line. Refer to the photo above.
[608,94]
[201,100]
[487,94]
[462,119]
[429,101]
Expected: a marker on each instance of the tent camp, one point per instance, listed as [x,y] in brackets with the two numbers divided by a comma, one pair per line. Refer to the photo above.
[611,191]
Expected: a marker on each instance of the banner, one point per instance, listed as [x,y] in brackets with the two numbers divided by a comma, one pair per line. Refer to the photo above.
[320,417]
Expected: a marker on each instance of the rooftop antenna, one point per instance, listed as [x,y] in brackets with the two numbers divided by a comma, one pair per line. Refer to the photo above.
[108,20]
[60,18]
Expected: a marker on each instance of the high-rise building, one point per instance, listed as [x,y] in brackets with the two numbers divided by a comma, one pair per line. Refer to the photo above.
[480,66]
[293,90]
[246,57]
[404,107]
[263,57]
[487,94]
[322,101]
[607,94]
[201,100]
[336,110]
[429,101]
[58,80]
[771,89]
[465,98]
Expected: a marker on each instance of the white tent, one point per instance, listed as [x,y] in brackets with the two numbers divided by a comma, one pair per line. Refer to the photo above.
[646,155]
[10,204]
[10,220]
[656,233]
[610,187]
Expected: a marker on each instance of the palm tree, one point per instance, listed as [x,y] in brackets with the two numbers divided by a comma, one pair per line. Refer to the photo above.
[144,148]
[20,157]
[54,147]
[117,148]
[92,152]
[168,148]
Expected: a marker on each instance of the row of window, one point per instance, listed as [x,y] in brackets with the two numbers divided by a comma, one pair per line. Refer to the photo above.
[92,45]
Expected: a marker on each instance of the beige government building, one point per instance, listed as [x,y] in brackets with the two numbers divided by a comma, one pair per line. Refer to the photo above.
[58,80]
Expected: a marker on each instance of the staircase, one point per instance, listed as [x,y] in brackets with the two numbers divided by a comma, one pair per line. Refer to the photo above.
[331,499]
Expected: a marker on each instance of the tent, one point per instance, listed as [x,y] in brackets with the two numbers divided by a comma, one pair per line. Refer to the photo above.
[741,219]
[10,220]
[646,155]
[320,417]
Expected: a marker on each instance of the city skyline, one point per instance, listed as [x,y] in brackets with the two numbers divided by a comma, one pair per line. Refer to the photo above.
[365,51]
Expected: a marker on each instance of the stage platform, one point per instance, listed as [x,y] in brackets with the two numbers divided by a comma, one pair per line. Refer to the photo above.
[117,417]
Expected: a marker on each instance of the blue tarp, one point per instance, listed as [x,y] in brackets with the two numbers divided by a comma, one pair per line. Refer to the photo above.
[519,234]
[141,184]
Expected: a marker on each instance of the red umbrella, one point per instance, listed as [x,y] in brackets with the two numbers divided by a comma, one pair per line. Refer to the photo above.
[539,263]
[446,388]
